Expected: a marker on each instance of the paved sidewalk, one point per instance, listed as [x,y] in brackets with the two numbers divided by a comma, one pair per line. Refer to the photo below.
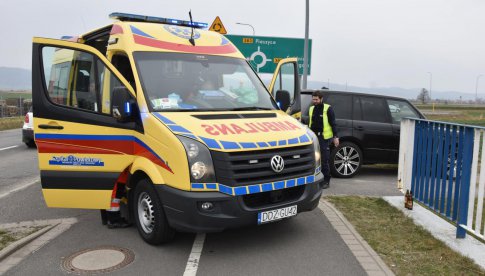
[367,257]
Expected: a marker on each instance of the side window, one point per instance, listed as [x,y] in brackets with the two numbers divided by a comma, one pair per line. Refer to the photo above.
[342,105]
[374,109]
[357,109]
[70,78]
[77,79]
[400,109]
[285,80]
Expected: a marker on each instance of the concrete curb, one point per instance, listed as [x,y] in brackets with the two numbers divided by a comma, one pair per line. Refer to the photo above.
[17,251]
[4,253]
[366,256]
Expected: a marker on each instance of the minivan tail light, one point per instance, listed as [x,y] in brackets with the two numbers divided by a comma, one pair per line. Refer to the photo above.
[26,120]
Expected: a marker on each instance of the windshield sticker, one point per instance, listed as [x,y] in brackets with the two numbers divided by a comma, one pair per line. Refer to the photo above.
[225,129]
[72,160]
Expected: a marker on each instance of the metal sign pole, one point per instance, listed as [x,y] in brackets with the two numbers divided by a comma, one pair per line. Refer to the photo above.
[305,51]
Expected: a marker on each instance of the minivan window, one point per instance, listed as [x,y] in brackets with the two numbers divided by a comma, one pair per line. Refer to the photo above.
[400,109]
[341,104]
[374,109]
[174,82]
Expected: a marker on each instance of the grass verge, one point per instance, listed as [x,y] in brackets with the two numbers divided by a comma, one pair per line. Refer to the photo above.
[406,248]
[11,123]
[8,236]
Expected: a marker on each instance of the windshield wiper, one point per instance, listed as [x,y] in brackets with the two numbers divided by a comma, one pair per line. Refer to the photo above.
[251,108]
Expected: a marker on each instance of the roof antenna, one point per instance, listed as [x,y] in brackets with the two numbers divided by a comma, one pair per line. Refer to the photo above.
[191,40]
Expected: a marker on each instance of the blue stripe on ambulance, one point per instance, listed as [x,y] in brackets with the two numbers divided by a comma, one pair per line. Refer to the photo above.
[255,188]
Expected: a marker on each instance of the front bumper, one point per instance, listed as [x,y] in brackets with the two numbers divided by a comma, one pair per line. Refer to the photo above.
[184,213]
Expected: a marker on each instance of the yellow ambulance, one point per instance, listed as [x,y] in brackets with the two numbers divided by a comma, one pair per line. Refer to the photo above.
[175,116]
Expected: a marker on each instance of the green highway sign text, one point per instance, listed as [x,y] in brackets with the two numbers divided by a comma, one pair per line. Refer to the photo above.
[265,52]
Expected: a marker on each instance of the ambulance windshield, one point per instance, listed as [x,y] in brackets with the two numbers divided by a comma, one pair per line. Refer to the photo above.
[176,82]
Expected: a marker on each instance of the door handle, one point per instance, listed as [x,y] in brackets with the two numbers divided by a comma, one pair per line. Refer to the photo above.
[44,126]
[359,128]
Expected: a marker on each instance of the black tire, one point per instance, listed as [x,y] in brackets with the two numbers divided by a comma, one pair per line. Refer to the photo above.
[30,144]
[149,215]
[345,160]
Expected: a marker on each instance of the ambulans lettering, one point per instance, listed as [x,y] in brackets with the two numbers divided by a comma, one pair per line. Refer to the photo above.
[72,160]
[225,129]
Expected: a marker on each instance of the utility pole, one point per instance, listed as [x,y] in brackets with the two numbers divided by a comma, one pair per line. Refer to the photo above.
[430,84]
[305,51]
[476,88]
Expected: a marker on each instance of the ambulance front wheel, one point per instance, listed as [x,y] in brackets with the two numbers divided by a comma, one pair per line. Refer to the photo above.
[150,217]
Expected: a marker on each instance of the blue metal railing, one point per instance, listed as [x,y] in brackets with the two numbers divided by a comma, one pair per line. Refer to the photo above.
[442,156]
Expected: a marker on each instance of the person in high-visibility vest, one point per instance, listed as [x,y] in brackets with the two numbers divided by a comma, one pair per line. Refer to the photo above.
[322,122]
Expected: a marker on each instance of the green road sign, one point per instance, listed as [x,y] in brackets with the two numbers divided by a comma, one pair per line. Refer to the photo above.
[264,52]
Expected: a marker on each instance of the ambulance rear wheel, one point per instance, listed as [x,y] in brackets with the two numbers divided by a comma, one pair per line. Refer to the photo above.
[150,217]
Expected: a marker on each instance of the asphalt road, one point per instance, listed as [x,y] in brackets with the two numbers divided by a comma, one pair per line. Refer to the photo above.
[304,245]
[18,163]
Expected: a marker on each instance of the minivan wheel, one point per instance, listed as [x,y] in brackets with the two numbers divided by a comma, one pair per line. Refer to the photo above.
[345,160]
[150,217]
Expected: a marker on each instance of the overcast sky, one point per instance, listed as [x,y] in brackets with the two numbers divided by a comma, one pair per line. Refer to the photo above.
[369,43]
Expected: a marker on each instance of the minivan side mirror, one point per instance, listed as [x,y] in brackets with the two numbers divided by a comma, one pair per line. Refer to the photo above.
[122,105]
[283,99]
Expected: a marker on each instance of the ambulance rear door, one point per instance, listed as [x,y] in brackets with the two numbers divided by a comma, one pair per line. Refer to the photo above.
[285,78]
[82,148]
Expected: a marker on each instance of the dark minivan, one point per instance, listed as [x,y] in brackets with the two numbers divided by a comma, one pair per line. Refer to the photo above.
[368,128]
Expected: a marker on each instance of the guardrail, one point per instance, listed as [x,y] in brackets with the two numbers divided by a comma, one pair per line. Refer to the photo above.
[440,163]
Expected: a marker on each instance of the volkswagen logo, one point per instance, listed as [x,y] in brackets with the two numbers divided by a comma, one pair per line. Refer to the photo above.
[277,163]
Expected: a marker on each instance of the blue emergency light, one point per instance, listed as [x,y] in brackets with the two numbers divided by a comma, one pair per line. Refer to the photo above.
[128,108]
[152,19]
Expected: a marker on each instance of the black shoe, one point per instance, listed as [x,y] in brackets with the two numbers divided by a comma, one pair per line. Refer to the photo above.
[120,223]
[326,183]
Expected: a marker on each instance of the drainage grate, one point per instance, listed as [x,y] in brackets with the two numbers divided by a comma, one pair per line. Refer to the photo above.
[98,260]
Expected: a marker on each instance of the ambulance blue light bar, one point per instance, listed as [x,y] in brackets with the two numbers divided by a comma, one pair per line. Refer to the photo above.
[152,19]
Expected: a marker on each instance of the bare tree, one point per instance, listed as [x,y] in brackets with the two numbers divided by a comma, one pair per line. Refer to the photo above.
[423,96]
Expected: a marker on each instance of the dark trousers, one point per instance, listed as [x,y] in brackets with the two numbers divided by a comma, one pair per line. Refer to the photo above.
[325,153]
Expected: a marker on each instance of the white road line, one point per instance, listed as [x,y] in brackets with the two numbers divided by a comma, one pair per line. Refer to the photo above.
[9,147]
[21,187]
[194,257]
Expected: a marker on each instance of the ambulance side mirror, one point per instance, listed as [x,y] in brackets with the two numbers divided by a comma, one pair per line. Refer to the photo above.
[122,104]
[283,99]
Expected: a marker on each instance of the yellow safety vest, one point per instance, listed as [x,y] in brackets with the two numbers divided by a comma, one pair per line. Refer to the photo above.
[327,128]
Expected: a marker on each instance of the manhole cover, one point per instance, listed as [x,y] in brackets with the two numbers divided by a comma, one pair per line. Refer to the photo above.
[98,260]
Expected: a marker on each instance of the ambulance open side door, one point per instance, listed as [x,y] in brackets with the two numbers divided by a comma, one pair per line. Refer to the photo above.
[82,147]
[285,78]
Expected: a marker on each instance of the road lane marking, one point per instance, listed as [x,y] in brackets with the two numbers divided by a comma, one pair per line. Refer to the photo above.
[9,147]
[18,188]
[194,257]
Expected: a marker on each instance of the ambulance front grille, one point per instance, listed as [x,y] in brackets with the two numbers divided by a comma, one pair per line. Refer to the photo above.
[253,167]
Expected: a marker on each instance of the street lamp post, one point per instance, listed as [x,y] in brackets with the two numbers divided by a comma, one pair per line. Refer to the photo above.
[305,44]
[430,84]
[476,88]
[245,24]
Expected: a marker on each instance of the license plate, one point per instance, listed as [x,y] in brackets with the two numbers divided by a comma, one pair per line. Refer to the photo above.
[277,214]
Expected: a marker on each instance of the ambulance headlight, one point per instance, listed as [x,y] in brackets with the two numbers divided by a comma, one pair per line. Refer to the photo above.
[198,170]
[200,161]
[192,150]
[316,148]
